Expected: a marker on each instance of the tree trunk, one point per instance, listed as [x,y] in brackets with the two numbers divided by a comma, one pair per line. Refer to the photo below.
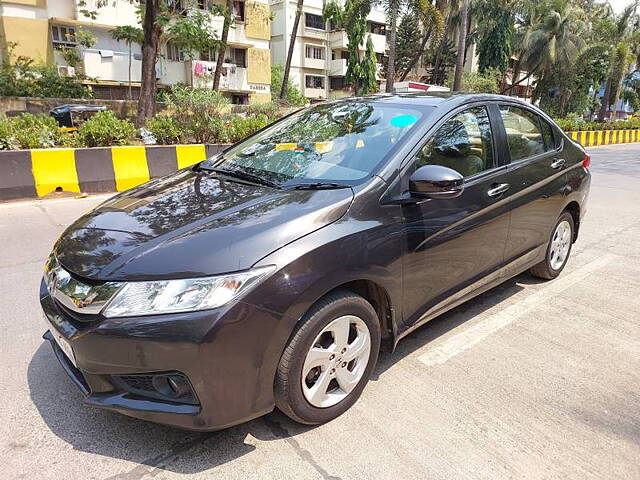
[514,76]
[416,57]
[604,107]
[151,30]
[130,96]
[443,42]
[223,46]
[462,46]
[391,59]
[616,99]
[292,43]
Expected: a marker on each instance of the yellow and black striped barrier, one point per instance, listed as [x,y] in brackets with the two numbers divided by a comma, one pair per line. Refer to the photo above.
[593,138]
[35,173]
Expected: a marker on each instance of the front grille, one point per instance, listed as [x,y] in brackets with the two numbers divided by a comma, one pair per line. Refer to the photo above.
[158,387]
[138,382]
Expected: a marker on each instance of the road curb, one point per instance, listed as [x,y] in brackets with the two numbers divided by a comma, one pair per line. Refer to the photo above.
[594,138]
[36,173]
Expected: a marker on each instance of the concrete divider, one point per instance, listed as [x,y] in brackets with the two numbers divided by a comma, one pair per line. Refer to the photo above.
[593,138]
[35,173]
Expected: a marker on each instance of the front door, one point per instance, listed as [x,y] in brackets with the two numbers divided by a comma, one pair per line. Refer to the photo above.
[453,245]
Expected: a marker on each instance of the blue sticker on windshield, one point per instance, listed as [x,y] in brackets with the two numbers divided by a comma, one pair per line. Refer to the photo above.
[403,121]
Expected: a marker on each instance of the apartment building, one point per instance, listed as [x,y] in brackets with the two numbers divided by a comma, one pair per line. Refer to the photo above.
[319,62]
[41,29]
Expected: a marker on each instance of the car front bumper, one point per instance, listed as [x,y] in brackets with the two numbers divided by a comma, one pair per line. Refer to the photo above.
[229,357]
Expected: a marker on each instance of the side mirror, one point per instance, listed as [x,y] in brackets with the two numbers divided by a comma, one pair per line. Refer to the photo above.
[436,181]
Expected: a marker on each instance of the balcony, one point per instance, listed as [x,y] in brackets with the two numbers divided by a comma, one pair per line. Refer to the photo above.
[233,78]
[313,32]
[338,67]
[108,65]
[315,93]
[338,40]
[317,63]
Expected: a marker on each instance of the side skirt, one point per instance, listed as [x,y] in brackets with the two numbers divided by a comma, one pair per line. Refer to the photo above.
[512,269]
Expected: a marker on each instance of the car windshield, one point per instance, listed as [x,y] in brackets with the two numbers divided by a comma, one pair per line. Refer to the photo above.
[336,142]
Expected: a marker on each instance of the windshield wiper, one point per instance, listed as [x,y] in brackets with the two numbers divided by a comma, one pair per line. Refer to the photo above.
[243,175]
[317,186]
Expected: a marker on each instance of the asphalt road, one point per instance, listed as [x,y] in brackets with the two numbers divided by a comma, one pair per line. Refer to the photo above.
[530,380]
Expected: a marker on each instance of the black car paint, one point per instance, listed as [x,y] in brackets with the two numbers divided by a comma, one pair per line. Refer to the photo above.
[413,259]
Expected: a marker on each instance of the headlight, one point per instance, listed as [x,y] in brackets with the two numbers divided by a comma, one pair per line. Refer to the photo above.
[172,296]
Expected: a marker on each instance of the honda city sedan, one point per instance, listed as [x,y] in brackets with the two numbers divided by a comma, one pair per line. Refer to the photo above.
[272,274]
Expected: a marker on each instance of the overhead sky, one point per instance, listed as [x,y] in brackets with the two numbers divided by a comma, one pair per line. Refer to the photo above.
[618,5]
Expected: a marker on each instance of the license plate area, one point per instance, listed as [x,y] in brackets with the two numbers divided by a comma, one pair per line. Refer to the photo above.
[64,346]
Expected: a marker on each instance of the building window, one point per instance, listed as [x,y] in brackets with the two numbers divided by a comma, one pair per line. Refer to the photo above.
[236,56]
[313,21]
[314,81]
[239,99]
[315,52]
[238,11]
[174,53]
[63,37]
[377,28]
[337,83]
[210,55]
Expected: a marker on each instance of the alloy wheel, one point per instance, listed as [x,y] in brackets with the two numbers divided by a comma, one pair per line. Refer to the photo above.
[336,361]
[560,245]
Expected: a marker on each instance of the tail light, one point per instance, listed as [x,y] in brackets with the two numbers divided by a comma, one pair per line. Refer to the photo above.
[586,161]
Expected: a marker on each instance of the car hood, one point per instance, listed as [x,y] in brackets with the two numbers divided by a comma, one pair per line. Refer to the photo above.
[192,224]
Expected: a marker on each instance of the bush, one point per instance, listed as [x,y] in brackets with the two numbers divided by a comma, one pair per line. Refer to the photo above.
[572,124]
[198,110]
[293,96]
[238,127]
[166,130]
[35,131]
[105,129]
[24,79]
[7,138]
[476,82]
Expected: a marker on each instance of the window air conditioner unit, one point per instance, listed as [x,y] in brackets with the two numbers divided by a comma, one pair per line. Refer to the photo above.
[65,71]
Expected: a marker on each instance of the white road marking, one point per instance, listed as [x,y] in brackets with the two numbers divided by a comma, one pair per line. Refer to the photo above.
[468,338]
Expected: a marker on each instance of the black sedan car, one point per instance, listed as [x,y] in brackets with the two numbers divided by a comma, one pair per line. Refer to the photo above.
[271,274]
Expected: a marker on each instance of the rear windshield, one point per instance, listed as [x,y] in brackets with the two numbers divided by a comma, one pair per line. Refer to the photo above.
[342,142]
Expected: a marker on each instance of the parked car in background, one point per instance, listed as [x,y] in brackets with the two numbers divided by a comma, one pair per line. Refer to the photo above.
[270,275]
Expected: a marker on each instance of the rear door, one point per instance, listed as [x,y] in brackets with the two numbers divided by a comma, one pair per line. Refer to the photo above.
[537,178]
[454,244]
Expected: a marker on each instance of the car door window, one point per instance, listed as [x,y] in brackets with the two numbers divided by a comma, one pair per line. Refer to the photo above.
[464,143]
[524,135]
[547,134]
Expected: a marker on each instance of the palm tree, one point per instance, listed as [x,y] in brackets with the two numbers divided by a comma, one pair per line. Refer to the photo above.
[555,37]
[130,35]
[462,45]
[619,33]
[292,43]
[432,26]
[393,12]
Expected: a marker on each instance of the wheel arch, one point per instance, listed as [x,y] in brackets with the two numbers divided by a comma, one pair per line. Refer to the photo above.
[573,208]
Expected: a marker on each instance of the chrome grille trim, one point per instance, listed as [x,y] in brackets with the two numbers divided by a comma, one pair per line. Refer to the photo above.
[75,295]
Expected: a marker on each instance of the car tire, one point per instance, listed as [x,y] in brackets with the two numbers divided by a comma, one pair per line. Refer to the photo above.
[558,249]
[300,395]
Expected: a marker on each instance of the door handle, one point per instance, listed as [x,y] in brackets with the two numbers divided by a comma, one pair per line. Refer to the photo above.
[558,164]
[498,189]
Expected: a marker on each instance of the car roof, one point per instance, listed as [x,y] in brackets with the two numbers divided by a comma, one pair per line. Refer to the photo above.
[434,99]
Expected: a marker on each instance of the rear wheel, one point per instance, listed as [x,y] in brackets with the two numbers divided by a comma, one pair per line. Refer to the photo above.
[558,249]
[329,359]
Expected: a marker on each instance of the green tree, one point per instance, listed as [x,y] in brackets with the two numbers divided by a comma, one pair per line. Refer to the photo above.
[130,35]
[353,18]
[494,34]
[292,94]
[462,45]
[284,87]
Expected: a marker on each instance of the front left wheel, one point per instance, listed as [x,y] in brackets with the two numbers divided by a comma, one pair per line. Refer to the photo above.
[329,359]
